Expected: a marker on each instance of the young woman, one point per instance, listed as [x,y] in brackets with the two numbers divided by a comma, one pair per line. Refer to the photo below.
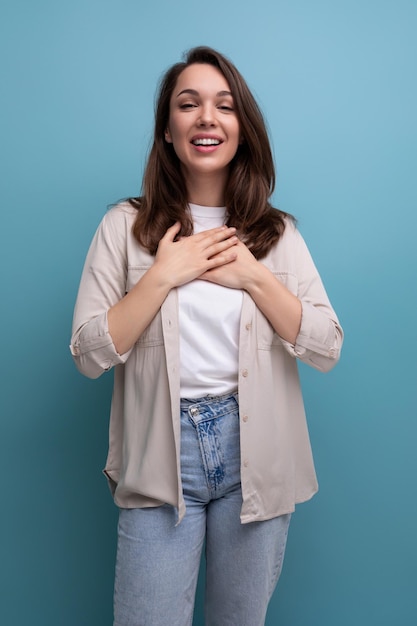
[202,296]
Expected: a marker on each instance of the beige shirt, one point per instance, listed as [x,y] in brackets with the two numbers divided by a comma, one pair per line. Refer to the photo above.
[143,463]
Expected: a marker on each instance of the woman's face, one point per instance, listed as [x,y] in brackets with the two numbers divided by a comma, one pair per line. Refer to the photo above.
[203,126]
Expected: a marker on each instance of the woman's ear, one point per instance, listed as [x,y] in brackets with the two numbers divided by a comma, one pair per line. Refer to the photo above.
[168,138]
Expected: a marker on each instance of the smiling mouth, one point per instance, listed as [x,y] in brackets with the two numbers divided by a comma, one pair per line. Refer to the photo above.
[206,142]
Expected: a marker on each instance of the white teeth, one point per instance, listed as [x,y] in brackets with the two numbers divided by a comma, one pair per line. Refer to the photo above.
[206,142]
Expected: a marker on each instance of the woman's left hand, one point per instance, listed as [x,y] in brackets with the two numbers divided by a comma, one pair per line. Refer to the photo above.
[238,274]
[281,307]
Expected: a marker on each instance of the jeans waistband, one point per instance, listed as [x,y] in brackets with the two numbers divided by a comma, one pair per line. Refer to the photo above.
[208,399]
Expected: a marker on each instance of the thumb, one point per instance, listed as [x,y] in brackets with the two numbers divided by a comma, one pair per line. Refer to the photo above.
[172,232]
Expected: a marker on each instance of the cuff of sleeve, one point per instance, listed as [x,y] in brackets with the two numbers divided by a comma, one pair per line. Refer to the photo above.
[93,349]
[316,342]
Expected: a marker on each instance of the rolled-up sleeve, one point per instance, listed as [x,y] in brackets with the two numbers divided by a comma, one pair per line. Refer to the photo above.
[93,349]
[320,337]
[103,284]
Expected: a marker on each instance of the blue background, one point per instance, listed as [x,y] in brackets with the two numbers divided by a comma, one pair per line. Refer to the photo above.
[336,80]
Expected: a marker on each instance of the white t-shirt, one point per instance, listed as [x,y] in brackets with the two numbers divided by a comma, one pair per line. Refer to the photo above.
[209,316]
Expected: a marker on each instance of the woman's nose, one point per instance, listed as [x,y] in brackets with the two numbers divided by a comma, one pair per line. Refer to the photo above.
[207,116]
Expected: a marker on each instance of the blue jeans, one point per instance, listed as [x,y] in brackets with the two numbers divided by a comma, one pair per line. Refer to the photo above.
[158,562]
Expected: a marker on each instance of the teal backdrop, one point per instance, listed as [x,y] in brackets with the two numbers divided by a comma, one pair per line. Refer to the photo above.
[336,80]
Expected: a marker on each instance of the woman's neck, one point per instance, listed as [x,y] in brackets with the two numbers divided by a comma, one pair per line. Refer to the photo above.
[206,190]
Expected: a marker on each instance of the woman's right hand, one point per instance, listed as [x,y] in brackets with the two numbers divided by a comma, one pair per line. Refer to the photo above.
[176,263]
[184,260]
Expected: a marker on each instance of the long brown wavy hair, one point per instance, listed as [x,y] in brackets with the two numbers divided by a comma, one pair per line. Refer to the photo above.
[251,172]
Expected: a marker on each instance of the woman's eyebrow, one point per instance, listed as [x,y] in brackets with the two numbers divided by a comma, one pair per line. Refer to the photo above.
[194,92]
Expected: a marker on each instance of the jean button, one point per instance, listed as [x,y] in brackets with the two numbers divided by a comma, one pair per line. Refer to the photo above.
[194,411]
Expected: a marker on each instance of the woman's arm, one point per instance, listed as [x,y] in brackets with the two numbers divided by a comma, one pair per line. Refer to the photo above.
[282,308]
[176,263]
[304,318]
[277,303]
[107,321]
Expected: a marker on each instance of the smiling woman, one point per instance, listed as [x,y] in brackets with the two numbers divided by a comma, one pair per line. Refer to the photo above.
[204,130]
[251,176]
[203,297]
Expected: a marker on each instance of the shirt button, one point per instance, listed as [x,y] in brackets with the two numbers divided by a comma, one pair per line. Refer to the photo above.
[245,418]
[75,351]
[245,373]
[248,326]
[245,462]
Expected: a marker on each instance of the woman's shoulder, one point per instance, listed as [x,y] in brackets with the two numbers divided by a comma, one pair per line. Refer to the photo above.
[283,253]
[116,232]
[118,220]
[290,235]
[122,211]
[290,224]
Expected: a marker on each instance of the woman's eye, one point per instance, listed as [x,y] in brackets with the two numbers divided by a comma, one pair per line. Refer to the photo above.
[226,107]
[187,105]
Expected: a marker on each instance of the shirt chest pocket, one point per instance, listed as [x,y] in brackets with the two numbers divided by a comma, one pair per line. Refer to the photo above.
[152,335]
[265,334]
